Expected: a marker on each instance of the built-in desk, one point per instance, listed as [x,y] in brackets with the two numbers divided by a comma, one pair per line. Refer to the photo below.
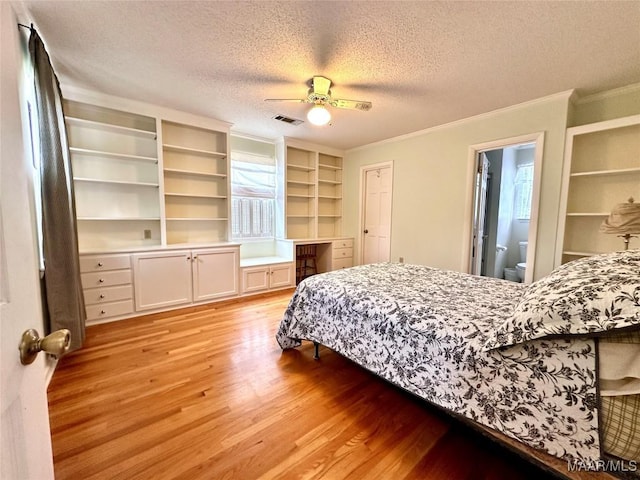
[331,254]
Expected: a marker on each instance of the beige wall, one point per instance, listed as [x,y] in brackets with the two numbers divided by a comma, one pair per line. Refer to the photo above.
[621,102]
[432,184]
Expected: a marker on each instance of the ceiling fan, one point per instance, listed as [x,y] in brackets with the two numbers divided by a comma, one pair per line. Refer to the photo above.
[320,96]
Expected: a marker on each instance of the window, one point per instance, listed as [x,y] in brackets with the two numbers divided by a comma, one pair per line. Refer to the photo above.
[32,146]
[524,189]
[253,193]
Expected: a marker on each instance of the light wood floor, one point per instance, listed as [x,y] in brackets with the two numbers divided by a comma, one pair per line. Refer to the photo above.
[207,393]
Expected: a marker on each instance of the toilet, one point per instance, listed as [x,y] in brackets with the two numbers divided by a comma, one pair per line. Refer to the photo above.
[521,267]
[501,260]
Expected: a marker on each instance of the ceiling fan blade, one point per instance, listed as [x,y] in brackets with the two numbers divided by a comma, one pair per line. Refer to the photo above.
[297,100]
[352,104]
[321,85]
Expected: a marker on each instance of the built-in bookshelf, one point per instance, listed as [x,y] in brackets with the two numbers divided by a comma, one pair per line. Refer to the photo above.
[312,191]
[147,180]
[301,187]
[115,171]
[602,169]
[195,168]
[329,196]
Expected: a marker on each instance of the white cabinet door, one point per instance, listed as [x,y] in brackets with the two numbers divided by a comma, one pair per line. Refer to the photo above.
[255,279]
[215,273]
[281,276]
[162,279]
[266,277]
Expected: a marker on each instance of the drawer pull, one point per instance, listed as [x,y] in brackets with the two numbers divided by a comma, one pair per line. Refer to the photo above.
[100,264]
[101,280]
[102,312]
[101,295]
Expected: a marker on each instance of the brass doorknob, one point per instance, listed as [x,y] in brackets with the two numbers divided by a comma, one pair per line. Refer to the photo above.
[56,343]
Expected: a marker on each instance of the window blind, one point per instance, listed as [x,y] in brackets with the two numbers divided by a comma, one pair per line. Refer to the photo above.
[253,193]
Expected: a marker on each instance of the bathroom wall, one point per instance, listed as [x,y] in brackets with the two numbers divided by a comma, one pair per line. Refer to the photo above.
[519,228]
[491,221]
[505,216]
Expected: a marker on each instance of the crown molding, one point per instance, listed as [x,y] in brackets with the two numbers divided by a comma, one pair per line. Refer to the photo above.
[566,95]
[634,87]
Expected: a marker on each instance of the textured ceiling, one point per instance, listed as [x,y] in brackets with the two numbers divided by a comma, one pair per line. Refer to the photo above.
[421,63]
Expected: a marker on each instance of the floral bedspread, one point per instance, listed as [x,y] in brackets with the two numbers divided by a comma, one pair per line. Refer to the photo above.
[423,329]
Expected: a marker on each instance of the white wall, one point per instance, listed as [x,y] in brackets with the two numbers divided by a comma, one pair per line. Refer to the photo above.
[432,183]
[507,192]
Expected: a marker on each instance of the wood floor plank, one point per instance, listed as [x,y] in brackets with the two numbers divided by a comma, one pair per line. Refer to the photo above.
[206,392]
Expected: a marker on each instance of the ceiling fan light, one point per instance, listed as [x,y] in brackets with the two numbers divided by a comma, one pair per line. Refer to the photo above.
[319,115]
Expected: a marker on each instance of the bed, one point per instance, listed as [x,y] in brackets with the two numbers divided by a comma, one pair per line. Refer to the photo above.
[522,360]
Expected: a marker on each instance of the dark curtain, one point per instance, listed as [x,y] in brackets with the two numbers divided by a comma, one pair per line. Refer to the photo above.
[63,289]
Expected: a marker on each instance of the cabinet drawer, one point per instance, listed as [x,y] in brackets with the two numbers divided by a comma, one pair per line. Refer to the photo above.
[342,252]
[97,263]
[106,279]
[111,309]
[93,296]
[342,263]
[347,243]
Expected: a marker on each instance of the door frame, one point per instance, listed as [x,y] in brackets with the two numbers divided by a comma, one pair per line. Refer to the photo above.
[363,174]
[536,138]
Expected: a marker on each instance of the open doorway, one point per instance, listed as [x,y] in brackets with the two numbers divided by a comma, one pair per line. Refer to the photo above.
[506,192]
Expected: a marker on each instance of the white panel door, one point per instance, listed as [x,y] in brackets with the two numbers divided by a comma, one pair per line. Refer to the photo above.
[215,273]
[24,420]
[377,215]
[25,448]
[162,279]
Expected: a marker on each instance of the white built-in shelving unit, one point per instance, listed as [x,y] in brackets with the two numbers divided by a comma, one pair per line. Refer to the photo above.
[301,187]
[115,168]
[153,206]
[195,183]
[312,190]
[329,196]
[602,169]
[144,180]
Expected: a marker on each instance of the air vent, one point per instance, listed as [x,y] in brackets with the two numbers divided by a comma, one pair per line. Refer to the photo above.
[289,120]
